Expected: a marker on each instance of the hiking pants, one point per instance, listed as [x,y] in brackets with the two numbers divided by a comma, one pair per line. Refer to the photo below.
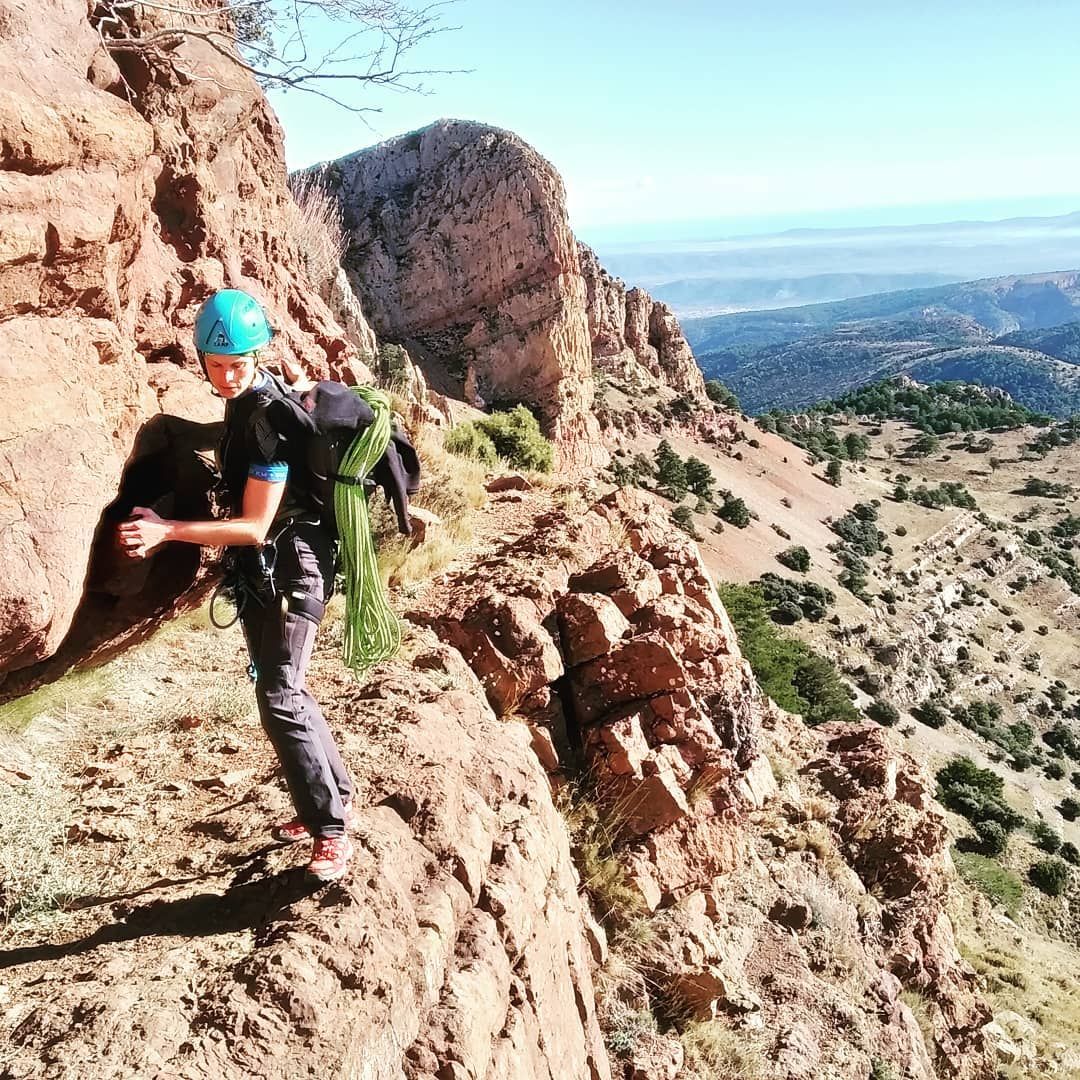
[280,636]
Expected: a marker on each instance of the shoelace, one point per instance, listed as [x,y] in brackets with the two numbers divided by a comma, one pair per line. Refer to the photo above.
[328,847]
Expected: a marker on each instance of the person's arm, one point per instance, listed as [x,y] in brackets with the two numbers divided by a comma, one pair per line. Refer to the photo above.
[145,531]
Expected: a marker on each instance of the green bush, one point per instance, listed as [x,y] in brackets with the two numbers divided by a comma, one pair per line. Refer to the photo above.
[977,794]
[719,393]
[517,439]
[795,558]
[683,517]
[789,671]
[992,838]
[931,714]
[1070,808]
[1001,886]
[1050,875]
[734,512]
[1045,838]
[1070,853]
[467,440]
[1054,770]
[884,712]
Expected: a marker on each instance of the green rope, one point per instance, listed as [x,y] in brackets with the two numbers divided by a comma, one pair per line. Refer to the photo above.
[372,631]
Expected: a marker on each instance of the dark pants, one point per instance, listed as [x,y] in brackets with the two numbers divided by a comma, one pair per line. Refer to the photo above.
[280,638]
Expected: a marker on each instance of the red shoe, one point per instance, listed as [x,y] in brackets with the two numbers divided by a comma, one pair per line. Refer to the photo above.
[330,857]
[291,832]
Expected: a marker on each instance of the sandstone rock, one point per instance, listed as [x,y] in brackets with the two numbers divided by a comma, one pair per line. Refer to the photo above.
[509,323]
[119,217]
[424,524]
[649,804]
[636,669]
[656,1057]
[626,578]
[634,336]
[793,913]
[507,482]
[591,624]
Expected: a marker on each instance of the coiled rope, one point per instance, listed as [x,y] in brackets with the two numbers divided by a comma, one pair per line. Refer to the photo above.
[372,631]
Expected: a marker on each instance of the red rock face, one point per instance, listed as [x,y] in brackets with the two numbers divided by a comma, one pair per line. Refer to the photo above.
[654,698]
[632,333]
[898,844]
[462,248]
[117,220]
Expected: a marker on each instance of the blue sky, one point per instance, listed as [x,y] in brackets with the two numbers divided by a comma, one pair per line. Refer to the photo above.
[758,112]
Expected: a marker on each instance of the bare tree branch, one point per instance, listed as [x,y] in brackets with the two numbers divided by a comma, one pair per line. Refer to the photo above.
[270,39]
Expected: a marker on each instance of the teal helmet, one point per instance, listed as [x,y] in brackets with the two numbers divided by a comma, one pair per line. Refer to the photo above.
[231,323]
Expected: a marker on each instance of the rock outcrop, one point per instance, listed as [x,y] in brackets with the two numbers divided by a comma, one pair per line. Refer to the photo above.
[634,336]
[127,194]
[461,249]
[768,911]
[456,948]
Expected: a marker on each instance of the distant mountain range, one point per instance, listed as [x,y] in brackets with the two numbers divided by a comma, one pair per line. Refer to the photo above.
[1021,333]
[803,266]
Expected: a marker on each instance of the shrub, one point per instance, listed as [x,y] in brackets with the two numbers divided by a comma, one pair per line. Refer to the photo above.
[719,393]
[992,838]
[900,530]
[683,517]
[1070,853]
[795,558]
[1050,875]
[1070,808]
[1045,838]
[467,440]
[833,472]
[517,438]
[734,512]
[931,714]
[1054,770]
[977,794]
[884,712]
[789,671]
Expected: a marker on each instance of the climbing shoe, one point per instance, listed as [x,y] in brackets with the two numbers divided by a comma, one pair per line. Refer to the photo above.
[329,857]
[292,832]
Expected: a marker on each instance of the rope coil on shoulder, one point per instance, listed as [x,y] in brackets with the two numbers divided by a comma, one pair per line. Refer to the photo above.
[372,631]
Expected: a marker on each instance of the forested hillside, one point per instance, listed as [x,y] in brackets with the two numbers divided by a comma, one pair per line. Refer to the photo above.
[1018,334]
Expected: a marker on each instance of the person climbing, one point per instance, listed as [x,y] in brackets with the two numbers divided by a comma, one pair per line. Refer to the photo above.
[284,553]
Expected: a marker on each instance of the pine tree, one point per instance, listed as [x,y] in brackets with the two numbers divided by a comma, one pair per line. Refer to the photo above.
[670,471]
[699,478]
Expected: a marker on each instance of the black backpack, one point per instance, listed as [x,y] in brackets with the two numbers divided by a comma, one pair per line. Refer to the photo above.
[319,425]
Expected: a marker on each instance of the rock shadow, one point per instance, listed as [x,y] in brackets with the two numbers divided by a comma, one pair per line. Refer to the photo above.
[255,900]
[170,470]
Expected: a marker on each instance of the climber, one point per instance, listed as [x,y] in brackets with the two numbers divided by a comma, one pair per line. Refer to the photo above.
[285,557]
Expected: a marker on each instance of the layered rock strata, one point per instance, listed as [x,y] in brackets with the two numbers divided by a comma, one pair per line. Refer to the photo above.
[769,911]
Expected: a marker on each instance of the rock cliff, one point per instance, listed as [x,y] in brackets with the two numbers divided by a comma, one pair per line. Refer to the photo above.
[461,248]
[581,662]
[127,194]
[634,334]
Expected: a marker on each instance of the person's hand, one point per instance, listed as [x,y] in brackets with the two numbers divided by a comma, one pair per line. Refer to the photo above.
[142,533]
[295,375]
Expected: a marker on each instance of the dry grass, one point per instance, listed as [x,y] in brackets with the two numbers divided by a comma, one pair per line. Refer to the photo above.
[716,1052]
[72,693]
[592,841]
[922,1009]
[453,487]
[36,878]
[317,227]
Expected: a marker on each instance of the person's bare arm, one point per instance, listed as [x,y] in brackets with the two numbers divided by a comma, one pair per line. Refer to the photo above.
[145,531]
